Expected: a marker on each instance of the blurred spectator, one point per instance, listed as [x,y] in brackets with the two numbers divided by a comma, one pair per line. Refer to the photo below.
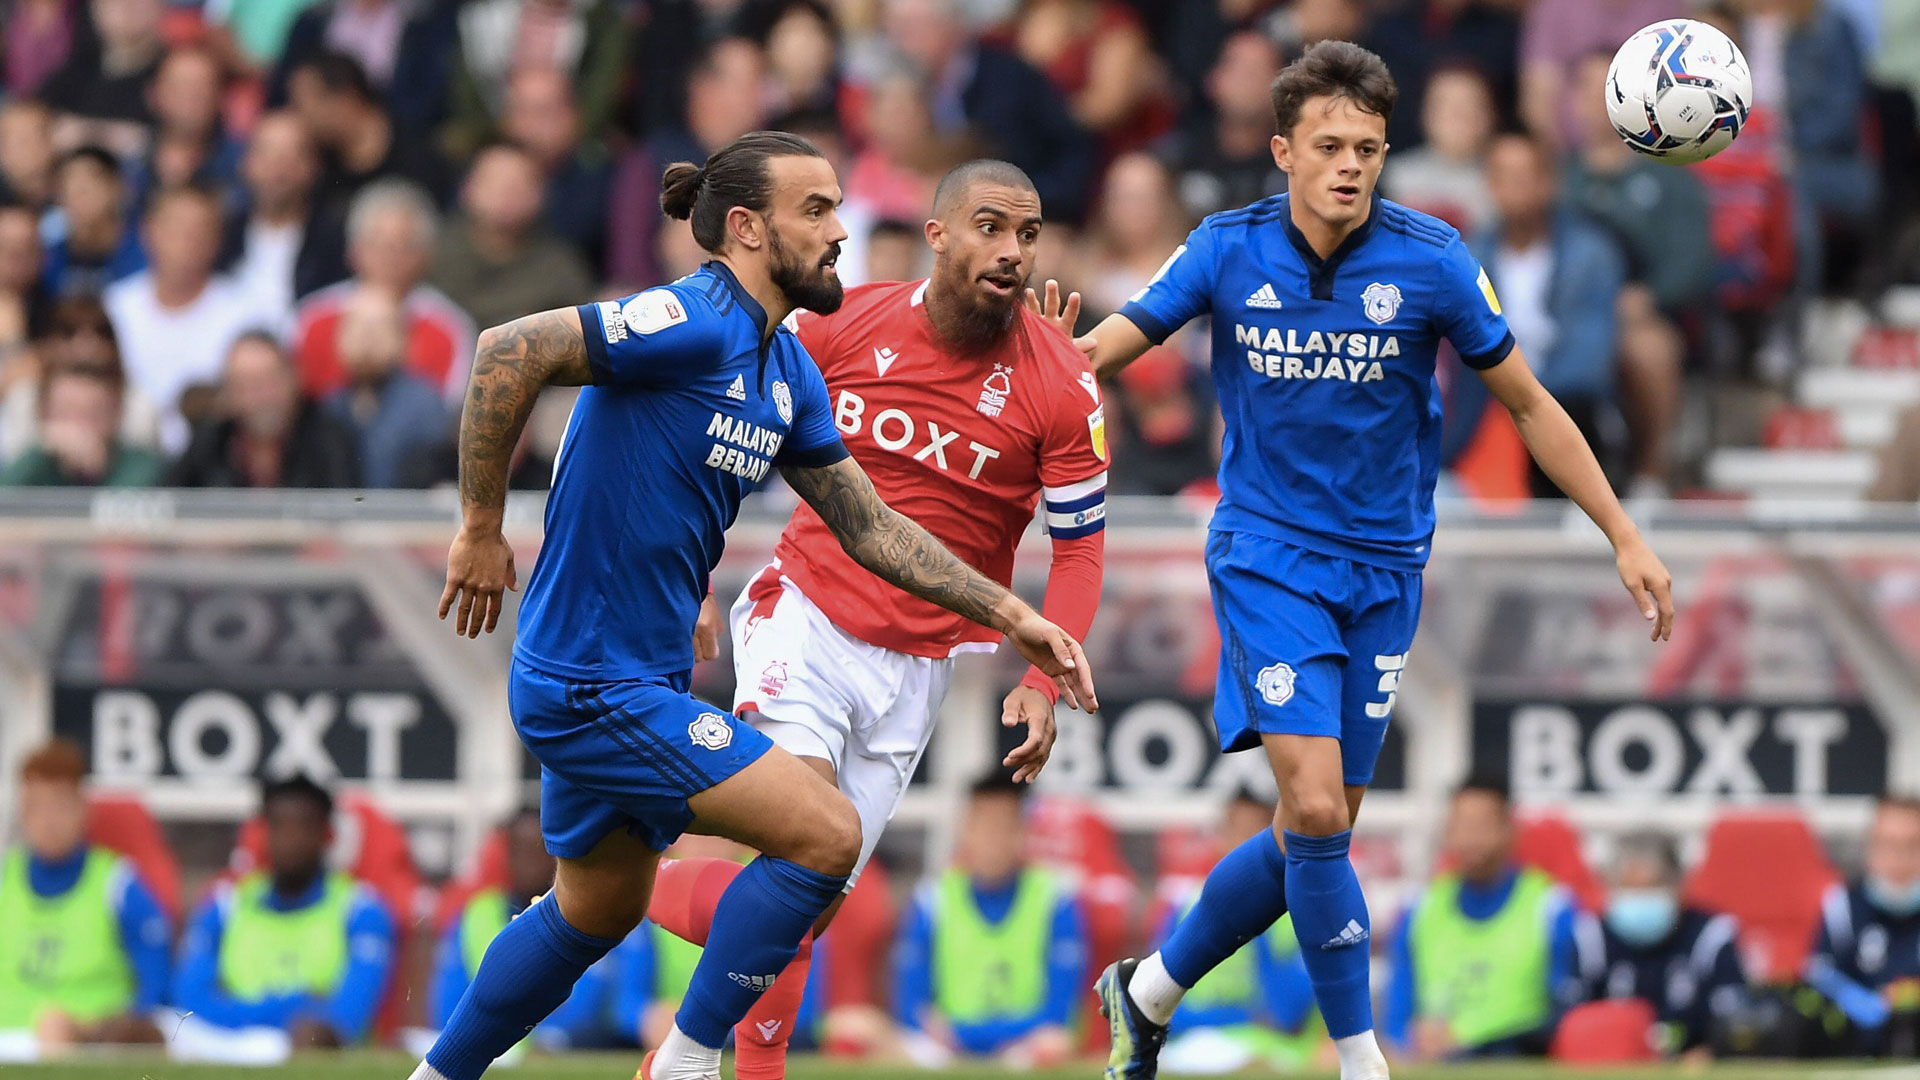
[529,876]
[1558,277]
[1095,52]
[262,243]
[359,144]
[79,335]
[27,157]
[436,463]
[895,175]
[24,303]
[1486,957]
[266,433]
[84,958]
[390,411]
[1556,39]
[541,119]
[39,37]
[1683,961]
[896,251]
[291,946]
[79,442]
[391,232]
[102,88]
[256,29]
[495,259]
[1302,22]
[725,100]
[992,953]
[1866,955]
[586,41]
[1256,1005]
[1823,71]
[1164,426]
[999,100]
[176,319]
[1446,174]
[1659,215]
[1224,155]
[1418,40]
[803,55]
[190,141]
[404,46]
[95,244]
[1137,224]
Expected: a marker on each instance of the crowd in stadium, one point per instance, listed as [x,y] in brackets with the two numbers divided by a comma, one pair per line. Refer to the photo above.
[1514,947]
[248,242]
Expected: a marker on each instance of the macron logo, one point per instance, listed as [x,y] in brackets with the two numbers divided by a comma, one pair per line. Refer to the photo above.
[1264,297]
[759,984]
[1351,934]
[883,359]
[767,1028]
[738,391]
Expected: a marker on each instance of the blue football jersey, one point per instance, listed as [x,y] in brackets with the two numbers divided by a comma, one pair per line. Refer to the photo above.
[1325,369]
[689,410]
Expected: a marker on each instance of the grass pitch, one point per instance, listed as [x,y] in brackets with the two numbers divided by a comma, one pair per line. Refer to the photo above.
[391,1066]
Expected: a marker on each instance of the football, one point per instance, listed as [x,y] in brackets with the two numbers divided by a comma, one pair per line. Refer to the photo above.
[1678,91]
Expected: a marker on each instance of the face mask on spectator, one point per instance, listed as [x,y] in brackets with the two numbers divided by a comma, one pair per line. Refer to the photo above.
[1900,900]
[1642,916]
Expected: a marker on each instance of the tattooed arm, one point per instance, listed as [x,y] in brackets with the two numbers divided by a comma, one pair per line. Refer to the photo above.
[901,552]
[510,366]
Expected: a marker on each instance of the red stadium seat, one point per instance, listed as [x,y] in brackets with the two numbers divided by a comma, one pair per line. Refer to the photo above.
[1767,870]
[123,824]
[1606,1032]
[1551,844]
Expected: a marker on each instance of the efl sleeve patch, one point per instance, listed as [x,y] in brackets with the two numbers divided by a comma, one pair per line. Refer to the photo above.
[1486,290]
[653,311]
[1097,430]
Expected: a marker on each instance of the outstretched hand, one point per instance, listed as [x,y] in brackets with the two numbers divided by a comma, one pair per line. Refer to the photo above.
[1063,317]
[1054,652]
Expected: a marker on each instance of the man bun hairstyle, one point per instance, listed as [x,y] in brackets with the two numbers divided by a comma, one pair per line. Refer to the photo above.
[735,175]
[1338,69]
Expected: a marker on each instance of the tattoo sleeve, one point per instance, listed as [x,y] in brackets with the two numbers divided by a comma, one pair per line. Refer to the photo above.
[510,366]
[891,545]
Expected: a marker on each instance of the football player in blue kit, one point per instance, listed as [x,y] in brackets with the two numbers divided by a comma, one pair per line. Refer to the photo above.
[1328,307]
[692,393]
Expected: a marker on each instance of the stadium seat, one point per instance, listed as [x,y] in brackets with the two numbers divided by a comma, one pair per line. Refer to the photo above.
[1549,843]
[1606,1032]
[1767,870]
[123,824]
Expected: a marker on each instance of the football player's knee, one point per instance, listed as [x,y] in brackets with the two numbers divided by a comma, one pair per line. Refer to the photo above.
[839,842]
[1318,813]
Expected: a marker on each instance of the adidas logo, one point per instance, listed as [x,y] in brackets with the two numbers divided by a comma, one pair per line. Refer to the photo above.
[738,391]
[883,359]
[759,984]
[767,1028]
[1351,934]
[1264,297]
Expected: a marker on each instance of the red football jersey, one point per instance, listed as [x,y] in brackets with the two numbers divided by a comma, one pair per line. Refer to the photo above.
[963,443]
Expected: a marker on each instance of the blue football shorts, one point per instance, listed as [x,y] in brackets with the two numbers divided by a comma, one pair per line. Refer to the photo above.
[625,754]
[1310,644]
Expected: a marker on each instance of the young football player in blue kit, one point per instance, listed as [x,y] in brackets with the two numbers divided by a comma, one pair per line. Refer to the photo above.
[693,392]
[1328,307]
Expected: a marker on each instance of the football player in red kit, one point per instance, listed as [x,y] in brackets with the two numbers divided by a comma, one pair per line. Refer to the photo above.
[966,409]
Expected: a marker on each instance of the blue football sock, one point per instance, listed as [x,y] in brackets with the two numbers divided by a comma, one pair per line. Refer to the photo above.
[1330,919]
[527,973]
[1243,895]
[756,931]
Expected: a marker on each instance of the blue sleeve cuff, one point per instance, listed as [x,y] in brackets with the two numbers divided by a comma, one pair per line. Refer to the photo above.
[1149,324]
[1492,357]
[817,457]
[594,331]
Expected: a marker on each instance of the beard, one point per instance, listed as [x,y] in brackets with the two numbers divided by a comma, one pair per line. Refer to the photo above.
[806,285]
[978,318]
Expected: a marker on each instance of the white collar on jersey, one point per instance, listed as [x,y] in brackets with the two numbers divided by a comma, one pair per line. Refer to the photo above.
[919,293]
